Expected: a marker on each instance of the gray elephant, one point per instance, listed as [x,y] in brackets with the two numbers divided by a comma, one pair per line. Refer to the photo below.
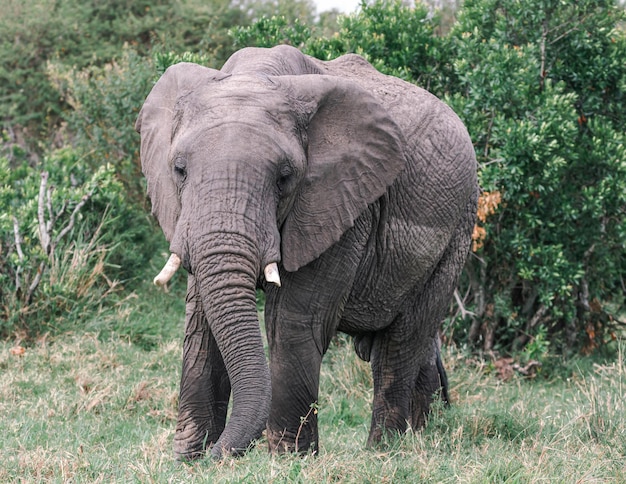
[348,196]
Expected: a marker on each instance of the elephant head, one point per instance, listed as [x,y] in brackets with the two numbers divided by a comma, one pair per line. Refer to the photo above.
[249,170]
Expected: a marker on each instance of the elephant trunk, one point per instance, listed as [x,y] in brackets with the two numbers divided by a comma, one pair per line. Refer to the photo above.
[227,273]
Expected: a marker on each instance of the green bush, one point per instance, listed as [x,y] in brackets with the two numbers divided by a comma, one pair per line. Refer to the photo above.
[66,239]
[81,34]
[105,102]
[540,89]
[539,84]
[397,40]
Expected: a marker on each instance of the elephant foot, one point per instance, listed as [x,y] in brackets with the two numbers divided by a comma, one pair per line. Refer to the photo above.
[191,444]
[283,442]
[381,436]
[420,408]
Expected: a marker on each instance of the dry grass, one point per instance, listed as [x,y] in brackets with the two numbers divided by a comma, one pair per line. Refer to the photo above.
[83,410]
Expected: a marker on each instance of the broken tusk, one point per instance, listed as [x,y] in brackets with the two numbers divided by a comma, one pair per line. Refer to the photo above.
[168,271]
[271,273]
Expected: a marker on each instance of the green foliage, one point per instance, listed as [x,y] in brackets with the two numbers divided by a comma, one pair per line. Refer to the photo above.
[105,102]
[292,10]
[65,236]
[80,34]
[396,39]
[540,87]
[163,60]
[271,31]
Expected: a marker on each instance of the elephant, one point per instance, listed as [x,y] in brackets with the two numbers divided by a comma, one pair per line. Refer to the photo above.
[348,196]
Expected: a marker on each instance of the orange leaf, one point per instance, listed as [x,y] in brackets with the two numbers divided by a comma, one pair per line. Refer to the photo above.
[18,350]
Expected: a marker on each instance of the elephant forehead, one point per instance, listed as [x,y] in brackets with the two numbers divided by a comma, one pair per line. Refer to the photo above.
[240,91]
[206,110]
[234,142]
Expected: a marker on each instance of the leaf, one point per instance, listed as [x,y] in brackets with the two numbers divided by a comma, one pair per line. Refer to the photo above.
[18,351]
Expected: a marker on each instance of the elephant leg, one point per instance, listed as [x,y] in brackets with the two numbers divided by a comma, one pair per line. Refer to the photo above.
[295,368]
[394,372]
[432,305]
[406,364]
[301,317]
[204,385]
[431,380]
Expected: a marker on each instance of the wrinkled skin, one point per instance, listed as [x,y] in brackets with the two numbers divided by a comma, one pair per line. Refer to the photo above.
[360,186]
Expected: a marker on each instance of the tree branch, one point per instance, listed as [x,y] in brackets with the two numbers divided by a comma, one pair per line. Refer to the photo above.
[18,238]
[459,302]
[542,47]
[44,235]
[70,224]
[35,283]
[20,254]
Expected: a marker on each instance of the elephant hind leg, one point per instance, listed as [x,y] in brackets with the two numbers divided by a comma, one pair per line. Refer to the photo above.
[363,345]
[432,381]
[394,372]
[406,363]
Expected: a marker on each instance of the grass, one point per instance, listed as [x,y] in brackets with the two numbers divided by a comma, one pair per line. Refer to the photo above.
[84,409]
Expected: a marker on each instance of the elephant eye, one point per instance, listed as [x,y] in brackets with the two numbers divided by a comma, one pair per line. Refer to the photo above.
[283,180]
[180,168]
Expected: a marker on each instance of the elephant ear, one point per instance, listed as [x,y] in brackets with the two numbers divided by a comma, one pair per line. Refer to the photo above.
[354,152]
[156,124]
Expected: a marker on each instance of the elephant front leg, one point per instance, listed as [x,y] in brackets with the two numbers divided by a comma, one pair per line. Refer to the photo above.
[204,385]
[295,367]
[300,321]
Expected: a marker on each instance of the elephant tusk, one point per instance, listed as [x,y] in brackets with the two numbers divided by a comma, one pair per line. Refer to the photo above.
[271,273]
[168,271]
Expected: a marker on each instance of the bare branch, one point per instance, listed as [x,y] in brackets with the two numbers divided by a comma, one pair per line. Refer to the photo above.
[18,238]
[537,316]
[44,235]
[35,283]
[20,254]
[50,212]
[567,32]
[60,212]
[70,224]
[459,302]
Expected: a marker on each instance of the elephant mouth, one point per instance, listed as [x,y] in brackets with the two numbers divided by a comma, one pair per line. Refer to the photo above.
[174,262]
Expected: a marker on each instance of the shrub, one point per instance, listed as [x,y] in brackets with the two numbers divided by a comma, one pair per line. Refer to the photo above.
[63,244]
[540,86]
[82,34]
[105,102]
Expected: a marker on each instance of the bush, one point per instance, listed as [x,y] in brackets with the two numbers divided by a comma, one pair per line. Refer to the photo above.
[64,240]
[540,85]
[395,39]
[105,102]
[81,34]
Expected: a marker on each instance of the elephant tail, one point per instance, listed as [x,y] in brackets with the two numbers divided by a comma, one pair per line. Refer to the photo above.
[443,379]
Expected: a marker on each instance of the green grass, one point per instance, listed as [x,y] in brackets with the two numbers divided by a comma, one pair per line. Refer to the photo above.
[84,409]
